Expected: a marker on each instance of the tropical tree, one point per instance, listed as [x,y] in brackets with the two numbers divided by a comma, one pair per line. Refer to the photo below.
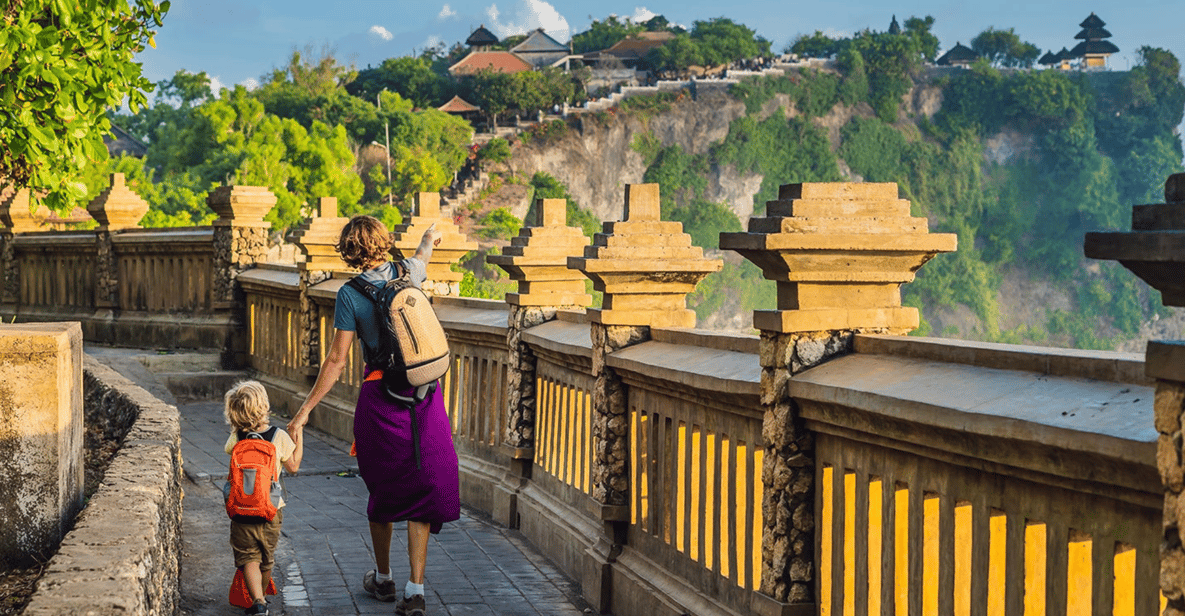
[412,78]
[817,45]
[603,34]
[1004,48]
[62,65]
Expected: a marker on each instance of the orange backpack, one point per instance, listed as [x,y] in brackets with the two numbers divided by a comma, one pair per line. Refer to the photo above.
[249,493]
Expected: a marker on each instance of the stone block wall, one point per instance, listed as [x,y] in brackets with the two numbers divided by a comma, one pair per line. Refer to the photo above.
[124,554]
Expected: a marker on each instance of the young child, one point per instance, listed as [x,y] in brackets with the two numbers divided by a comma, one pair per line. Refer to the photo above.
[254,545]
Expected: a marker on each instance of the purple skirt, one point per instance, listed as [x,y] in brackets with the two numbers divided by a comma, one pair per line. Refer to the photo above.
[386,460]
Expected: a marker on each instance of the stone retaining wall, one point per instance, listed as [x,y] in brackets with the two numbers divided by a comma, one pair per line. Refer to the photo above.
[124,554]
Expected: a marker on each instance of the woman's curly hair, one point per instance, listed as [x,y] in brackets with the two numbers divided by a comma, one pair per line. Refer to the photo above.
[363,241]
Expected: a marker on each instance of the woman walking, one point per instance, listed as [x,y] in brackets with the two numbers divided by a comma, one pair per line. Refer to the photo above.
[423,490]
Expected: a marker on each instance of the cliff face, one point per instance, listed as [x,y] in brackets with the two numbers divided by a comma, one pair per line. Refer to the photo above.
[595,159]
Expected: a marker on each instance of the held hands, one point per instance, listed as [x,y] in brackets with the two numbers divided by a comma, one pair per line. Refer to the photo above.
[296,426]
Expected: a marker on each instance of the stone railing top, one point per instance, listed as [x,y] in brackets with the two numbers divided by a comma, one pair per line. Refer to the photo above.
[1070,363]
[1154,249]
[117,207]
[839,253]
[538,259]
[683,366]
[645,266]
[1059,426]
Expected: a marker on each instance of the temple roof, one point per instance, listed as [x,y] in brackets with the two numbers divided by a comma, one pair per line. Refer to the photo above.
[1092,22]
[634,48]
[538,41]
[458,105]
[959,54]
[498,61]
[1049,58]
[1093,48]
[481,37]
[1093,33]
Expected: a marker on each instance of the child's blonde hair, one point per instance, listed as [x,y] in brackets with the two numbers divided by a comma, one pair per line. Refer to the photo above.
[246,405]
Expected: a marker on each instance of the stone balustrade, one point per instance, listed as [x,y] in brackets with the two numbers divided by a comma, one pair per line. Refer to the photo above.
[1154,250]
[828,464]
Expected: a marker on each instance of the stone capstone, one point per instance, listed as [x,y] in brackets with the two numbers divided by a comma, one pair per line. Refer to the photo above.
[644,266]
[537,259]
[839,253]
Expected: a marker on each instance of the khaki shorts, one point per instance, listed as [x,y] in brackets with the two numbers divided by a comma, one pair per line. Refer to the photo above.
[256,543]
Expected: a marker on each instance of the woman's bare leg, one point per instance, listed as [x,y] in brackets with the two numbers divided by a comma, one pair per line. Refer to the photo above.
[417,549]
[380,538]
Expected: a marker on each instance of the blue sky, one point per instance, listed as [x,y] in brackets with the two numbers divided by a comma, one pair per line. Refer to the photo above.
[238,41]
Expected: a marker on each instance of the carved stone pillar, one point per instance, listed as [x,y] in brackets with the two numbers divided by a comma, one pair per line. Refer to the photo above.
[317,239]
[15,217]
[538,260]
[1154,250]
[442,280]
[839,254]
[240,241]
[645,267]
[115,209]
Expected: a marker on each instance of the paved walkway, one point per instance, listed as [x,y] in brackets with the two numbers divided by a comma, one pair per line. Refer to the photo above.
[475,567]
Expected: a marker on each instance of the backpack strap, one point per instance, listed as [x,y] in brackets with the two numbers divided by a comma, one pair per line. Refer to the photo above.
[365,288]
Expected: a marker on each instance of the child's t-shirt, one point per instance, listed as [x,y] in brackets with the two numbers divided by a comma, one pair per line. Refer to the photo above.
[285,447]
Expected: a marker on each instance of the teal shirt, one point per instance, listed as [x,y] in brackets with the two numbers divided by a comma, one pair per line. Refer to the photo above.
[354,312]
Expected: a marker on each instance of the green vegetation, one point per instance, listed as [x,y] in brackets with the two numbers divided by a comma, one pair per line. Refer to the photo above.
[62,64]
[712,42]
[1004,48]
[547,187]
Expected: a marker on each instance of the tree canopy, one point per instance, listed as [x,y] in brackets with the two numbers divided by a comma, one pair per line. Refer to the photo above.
[710,42]
[1004,48]
[62,65]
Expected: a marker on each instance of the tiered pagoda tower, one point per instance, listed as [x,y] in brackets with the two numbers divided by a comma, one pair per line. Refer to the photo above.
[1094,47]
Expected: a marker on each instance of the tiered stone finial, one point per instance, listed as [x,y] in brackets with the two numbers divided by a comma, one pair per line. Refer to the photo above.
[318,237]
[1154,249]
[241,206]
[839,253]
[15,214]
[645,266]
[452,246]
[117,207]
[538,259]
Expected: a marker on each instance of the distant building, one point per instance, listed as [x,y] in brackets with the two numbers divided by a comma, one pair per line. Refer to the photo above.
[959,55]
[121,143]
[481,39]
[497,61]
[630,51]
[460,107]
[1094,48]
[541,50]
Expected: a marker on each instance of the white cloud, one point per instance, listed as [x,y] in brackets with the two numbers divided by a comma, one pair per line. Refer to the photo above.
[249,83]
[216,85]
[529,15]
[381,32]
[642,14]
[433,41]
[446,11]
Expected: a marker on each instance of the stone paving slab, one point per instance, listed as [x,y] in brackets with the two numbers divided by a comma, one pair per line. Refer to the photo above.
[475,567]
